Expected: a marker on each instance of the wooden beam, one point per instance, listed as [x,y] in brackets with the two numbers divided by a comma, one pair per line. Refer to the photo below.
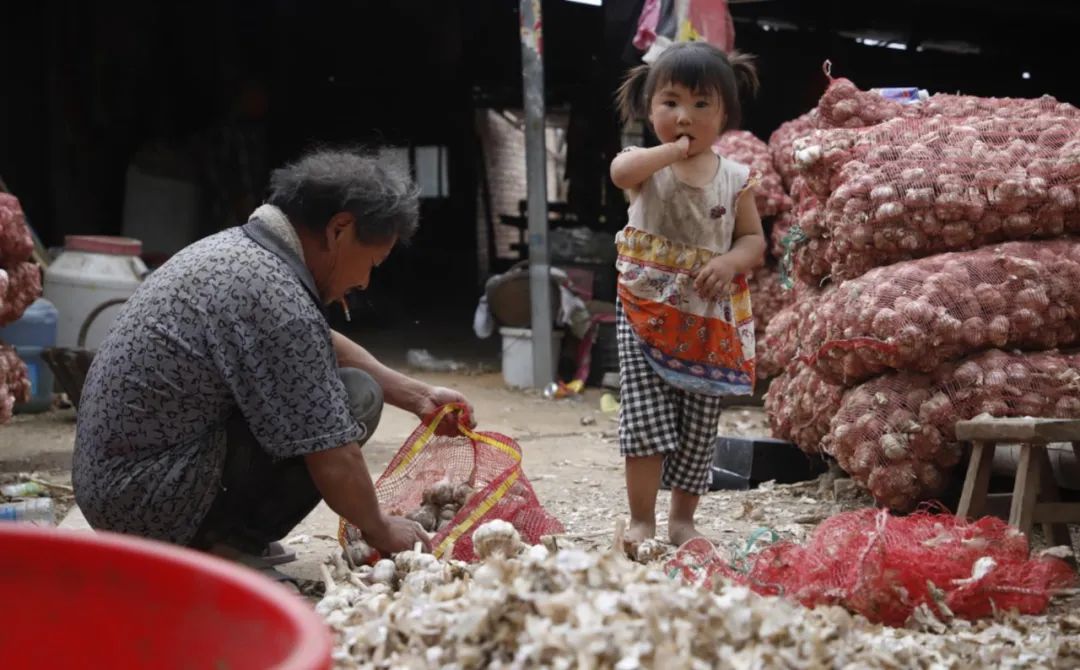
[1057,513]
[977,482]
[1026,489]
[1037,431]
[1054,529]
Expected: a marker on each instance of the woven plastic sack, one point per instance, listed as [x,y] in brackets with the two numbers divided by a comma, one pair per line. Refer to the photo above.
[885,567]
[800,405]
[919,314]
[744,147]
[896,434]
[489,463]
[912,188]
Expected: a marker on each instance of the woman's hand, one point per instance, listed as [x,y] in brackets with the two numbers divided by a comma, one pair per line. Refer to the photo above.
[435,397]
[714,278]
[394,533]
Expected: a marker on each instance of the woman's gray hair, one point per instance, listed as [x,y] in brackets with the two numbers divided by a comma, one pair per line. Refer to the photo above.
[384,199]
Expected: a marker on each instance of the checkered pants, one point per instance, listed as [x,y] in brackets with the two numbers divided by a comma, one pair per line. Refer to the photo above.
[657,418]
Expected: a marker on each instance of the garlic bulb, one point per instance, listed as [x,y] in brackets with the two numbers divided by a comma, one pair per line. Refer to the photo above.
[496,537]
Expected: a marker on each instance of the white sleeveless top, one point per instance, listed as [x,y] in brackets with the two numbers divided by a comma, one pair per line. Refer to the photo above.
[700,217]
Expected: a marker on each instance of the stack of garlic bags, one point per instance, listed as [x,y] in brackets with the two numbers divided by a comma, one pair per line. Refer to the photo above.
[939,233]
[767,294]
[20,285]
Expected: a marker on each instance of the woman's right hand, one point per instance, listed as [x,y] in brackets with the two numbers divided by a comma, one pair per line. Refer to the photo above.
[394,534]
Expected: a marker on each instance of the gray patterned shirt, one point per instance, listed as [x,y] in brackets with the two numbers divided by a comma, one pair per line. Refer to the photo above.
[228,324]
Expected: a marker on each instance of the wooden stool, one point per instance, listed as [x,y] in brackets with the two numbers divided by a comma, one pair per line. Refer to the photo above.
[1035,497]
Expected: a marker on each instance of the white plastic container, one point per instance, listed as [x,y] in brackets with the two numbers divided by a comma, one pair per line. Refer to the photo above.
[91,271]
[517,355]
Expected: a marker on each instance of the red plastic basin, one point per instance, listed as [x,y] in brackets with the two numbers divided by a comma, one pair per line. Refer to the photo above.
[101,600]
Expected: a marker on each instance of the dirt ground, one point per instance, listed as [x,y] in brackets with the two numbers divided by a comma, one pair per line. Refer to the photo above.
[570,455]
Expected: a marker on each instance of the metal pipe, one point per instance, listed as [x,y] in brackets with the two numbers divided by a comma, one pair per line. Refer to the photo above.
[532,75]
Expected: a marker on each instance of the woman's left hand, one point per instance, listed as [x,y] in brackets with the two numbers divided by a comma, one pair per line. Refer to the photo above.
[712,279]
[437,396]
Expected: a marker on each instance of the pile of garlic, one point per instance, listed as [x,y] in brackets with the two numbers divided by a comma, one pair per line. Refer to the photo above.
[524,607]
[441,503]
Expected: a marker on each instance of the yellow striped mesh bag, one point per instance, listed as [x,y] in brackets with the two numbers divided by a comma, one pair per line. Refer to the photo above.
[488,462]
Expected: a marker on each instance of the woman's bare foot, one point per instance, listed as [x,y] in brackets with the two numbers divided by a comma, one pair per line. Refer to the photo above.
[681,532]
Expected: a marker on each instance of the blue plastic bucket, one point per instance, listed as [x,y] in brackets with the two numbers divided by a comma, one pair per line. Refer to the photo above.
[34,332]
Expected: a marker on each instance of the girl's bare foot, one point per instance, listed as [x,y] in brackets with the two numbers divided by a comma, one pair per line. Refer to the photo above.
[639,531]
[681,532]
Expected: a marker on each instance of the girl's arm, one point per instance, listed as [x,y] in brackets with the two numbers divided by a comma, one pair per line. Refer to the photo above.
[630,169]
[747,250]
[748,239]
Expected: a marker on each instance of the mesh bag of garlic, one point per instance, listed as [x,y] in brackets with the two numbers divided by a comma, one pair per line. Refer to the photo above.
[911,188]
[16,244]
[895,434]
[800,405]
[782,142]
[885,567]
[781,338]
[14,382]
[844,105]
[451,484]
[770,297]
[744,147]
[918,314]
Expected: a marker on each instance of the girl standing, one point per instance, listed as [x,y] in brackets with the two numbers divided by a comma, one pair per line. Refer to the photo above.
[685,331]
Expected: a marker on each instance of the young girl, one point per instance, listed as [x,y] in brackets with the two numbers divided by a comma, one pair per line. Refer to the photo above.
[685,332]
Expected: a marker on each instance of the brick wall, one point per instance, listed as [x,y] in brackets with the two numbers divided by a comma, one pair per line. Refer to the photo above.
[503,142]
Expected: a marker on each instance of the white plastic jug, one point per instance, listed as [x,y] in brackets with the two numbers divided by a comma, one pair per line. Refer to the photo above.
[92,271]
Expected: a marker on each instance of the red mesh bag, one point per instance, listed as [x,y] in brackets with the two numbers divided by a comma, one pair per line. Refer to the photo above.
[884,567]
[780,228]
[779,345]
[800,405]
[918,314]
[22,286]
[769,297]
[895,434]
[744,147]
[844,105]
[16,244]
[911,188]
[14,382]
[781,146]
[489,463]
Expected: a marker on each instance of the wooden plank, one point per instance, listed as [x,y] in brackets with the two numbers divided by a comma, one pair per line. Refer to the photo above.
[1040,431]
[1054,529]
[1026,489]
[1057,513]
[977,481]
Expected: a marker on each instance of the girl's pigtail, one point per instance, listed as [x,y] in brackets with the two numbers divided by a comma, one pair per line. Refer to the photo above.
[630,98]
[746,76]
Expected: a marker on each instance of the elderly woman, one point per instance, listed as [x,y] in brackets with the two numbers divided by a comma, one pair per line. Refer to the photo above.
[222,408]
